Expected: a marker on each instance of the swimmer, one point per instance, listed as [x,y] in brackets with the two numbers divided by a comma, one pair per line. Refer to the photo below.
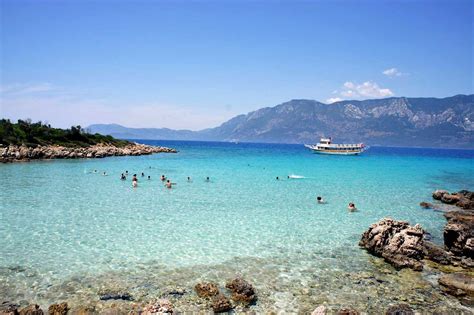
[320,200]
[126,172]
[352,207]
[169,184]
[134,178]
[104,174]
[207,179]
[143,174]
[149,177]
[123,177]
[163,178]
[189,179]
[134,183]
[95,171]
[277,178]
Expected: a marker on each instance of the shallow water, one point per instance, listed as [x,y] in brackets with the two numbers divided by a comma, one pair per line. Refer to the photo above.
[66,232]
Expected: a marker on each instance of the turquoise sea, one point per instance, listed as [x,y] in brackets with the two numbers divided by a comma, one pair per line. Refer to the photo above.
[66,233]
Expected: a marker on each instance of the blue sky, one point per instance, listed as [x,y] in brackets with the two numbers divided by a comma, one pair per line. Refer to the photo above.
[193,65]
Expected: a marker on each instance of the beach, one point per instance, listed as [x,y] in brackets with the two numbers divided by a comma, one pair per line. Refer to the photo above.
[71,235]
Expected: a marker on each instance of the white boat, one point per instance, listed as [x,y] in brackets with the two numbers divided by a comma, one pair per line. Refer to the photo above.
[325,146]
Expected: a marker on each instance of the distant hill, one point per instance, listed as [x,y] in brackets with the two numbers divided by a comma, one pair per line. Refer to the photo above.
[395,121]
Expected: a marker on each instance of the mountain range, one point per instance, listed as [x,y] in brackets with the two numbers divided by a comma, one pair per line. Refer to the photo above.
[396,121]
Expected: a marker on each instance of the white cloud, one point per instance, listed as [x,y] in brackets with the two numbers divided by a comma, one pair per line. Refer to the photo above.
[352,90]
[393,72]
[367,89]
[333,100]
[63,108]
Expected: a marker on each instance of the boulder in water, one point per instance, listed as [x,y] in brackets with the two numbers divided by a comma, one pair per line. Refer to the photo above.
[33,309]
[206,289]
[220,304]
[58,309]
[397,242]
[242,291]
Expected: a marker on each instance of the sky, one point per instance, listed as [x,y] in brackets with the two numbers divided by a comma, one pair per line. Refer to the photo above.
[195,64]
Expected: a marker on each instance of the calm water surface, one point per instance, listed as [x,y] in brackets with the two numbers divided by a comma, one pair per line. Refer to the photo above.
[61,223]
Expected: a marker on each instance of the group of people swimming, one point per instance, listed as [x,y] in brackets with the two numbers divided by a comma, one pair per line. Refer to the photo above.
[167,182]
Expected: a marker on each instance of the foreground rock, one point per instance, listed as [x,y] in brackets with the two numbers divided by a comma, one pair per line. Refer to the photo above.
[58,309]
[242,291]
[220,304]
[460,285]
[14,153]
[397,242]
[32,309]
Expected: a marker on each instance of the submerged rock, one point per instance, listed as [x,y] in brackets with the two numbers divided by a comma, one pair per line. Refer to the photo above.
[347,311]
[426,205]
[162,306]
[457,284]
[397,242]
[116,296]
[8,309]
[242,291]
[320,310]
[33,309]
[83,310]
[206,289]
[58,309]
[221,303]
[399,309]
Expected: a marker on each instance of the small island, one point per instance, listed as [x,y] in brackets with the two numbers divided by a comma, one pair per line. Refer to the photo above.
[26,141]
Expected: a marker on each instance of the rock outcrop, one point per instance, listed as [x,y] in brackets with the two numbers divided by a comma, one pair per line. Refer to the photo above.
[13,153]
[397,242]
[463,199]
[459,233]
[242,291]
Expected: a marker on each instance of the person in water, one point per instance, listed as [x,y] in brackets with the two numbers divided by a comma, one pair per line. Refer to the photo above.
[352,207]
[134,178]
[123,177]
[134,182]
[189,179]
[169,184]
[126,172]
[149,177]
[207,179]
[104,173]
[277,178]
[143,174]
[163,178]
[320,200]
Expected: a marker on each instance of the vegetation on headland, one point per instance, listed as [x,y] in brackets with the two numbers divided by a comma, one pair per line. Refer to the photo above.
[25,132]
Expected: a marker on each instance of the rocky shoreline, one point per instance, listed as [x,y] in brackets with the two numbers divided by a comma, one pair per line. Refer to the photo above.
[13,153]
[405,246]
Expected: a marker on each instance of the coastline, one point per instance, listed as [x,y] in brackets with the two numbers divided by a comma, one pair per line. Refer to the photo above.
[14,153]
